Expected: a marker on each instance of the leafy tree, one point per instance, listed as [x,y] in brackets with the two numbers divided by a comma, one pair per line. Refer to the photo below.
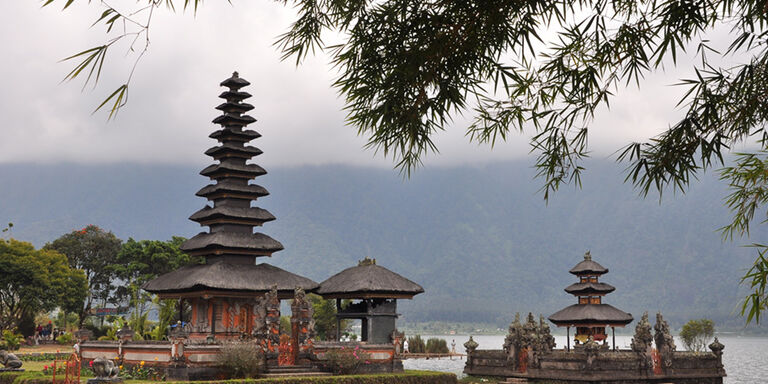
[93,251]
[406,67]
[696,334]
[36,281]
[324,314]
[141,261]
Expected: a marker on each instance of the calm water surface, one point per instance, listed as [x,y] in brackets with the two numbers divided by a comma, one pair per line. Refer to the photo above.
[745,358]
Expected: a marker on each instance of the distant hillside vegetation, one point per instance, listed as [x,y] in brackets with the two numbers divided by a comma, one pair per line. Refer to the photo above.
[481,240]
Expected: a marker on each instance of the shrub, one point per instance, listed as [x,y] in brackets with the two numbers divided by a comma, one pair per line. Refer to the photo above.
[696,334]
[11,341]
[435,345]
[416,344]
[345,361]
[65,339]
[141,372]
[241,359]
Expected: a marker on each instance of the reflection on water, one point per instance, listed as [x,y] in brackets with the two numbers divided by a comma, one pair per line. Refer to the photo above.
[745,358]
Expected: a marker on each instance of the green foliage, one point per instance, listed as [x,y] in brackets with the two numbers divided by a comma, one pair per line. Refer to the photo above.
[241,359]
[324,314]
[93,251]
[696,334]
[11,341]
[142,372]
[66,339]
[435,345]
[45,356]
[35,281]
[346,360]
[285,325]
[67,321]
[416,344]
[141,261]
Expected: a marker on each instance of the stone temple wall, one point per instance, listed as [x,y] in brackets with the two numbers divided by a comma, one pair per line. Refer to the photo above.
[610,367]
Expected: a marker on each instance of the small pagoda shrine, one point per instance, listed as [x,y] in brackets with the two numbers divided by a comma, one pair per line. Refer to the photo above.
[590,316]
[374,291]
[231,296]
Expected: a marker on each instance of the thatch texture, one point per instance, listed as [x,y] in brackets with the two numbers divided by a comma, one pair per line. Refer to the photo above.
[254,215]
[228,133]
[258,242]
[591,314]
[231,277]
[233,150]
[589,288]
[587,266]
[368,281]
[233,170]
[250,191]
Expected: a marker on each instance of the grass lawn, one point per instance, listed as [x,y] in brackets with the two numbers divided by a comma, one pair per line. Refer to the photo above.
[36,365]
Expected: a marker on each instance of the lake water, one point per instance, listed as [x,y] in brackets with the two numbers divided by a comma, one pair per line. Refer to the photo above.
[745,358]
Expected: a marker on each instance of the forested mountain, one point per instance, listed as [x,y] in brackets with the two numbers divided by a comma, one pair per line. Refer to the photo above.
[480,239]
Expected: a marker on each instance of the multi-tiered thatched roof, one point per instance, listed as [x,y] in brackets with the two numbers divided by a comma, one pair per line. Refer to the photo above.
[231,247]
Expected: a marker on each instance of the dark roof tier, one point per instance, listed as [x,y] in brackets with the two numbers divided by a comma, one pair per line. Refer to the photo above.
[234,120]
[591,315]
[235,82]
[590,288]
[256,244]
[228,277]
[232,97]
[588,267]
[243,171]
[234,107]
[224,189]
[230,134]
[231,215]
[368,281]
[232,150]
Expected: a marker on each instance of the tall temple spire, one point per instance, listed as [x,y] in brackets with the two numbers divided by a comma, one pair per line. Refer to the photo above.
[231,218]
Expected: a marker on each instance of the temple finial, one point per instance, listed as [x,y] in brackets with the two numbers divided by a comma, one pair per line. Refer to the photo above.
[588,256]
[235,74]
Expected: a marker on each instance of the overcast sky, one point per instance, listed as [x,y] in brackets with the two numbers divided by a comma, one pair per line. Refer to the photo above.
[175,89]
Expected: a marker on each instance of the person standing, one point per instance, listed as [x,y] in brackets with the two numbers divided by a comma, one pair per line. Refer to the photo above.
[405,346]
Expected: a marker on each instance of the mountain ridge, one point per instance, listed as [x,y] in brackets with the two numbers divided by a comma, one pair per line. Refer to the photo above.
[479,238]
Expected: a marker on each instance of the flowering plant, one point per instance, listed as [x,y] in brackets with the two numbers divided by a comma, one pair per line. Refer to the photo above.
[141,372]
[346,360]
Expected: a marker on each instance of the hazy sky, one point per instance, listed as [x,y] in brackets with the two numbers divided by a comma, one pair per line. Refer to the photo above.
[175,89]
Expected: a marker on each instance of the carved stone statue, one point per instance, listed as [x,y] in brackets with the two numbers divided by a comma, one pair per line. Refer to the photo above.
[546,340]
[9,360]
[301,318]
[513,336]
[643,338]
[592,348]
[470,345]
[105,371]
[665,344]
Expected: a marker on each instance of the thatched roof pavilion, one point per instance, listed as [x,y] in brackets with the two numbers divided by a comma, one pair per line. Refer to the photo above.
[368,281]
[590,315]
[378,289]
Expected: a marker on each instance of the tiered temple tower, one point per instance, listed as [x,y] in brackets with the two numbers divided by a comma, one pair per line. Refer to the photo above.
[227,292]
[590,315]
